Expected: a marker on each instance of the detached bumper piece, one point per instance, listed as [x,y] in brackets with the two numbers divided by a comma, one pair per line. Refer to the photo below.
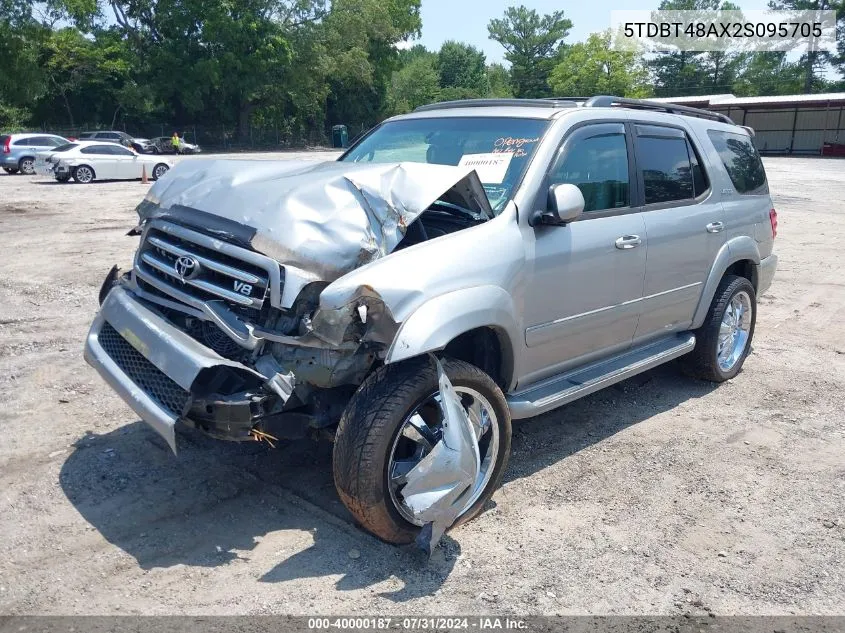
[167,376]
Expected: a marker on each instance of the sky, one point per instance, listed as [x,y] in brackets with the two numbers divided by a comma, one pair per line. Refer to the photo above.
[466,20]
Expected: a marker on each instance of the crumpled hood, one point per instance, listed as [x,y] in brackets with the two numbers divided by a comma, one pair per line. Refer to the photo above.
[327,218]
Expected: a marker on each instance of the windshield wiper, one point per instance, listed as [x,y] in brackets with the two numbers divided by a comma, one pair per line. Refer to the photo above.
[448,207]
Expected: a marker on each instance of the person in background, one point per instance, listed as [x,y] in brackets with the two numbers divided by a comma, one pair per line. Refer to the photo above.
[174,141]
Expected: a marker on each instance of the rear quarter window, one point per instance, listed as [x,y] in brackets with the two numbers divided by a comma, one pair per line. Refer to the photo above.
[741,161]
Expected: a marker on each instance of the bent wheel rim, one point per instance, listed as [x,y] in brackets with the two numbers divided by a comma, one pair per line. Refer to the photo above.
[734,331]
[422,429]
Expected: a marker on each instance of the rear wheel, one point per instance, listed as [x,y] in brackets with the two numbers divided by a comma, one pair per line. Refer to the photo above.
[27,165]
[83,174]
[724,341]
[393,421]
[159,171]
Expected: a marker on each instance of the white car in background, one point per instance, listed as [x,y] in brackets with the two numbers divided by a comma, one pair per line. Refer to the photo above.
[85,161]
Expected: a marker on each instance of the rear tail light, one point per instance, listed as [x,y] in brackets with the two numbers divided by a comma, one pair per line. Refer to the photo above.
[6,148]
[773,218]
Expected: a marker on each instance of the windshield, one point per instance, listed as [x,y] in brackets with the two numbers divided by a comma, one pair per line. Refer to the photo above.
[63,148]
[498,148]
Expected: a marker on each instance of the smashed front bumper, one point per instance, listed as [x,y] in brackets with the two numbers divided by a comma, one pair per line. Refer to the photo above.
[165,375]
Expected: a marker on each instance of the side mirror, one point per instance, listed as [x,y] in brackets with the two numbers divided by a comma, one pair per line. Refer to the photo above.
[565,204]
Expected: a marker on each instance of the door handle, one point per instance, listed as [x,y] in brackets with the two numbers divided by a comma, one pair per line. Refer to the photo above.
[715,227]
[628,241]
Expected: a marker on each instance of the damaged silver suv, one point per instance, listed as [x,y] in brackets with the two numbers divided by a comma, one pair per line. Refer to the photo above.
[461,266]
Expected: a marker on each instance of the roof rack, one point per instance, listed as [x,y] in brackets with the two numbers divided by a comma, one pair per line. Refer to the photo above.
[492,103]
[606,101]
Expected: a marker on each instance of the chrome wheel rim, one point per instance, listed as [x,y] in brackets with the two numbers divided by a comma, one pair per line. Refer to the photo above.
[420,432]
[734,331]
[27,167]
[83,174]
[159,171]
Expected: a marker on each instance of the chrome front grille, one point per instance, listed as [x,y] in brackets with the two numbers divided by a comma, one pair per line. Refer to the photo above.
[194,268]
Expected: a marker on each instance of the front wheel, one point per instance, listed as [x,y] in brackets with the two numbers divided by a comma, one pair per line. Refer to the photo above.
[393,421]
[63,177]
[724,340]
[10,170]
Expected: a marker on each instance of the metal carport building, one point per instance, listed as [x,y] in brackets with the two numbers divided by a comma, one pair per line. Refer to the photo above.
[784,124]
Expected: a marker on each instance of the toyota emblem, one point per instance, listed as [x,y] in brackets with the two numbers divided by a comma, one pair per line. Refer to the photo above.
[186,267]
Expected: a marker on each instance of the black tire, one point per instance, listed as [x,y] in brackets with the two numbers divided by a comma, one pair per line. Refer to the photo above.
[63,177]
[157,171]
[370,424]
[703,361]
[80,174]
[26,165]
[11,170]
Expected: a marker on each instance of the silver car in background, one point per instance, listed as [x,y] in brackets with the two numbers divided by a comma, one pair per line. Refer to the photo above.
[18,151]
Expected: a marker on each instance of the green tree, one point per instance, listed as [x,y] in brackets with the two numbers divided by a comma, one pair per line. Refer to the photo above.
[22,81]
[499,81]
[415,84]
[531,43]
[361,54]
[682,73]
[767,74]
[815,63]
[592,68]
[461,67]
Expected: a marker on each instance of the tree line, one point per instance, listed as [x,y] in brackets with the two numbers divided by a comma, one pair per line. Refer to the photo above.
[302,65]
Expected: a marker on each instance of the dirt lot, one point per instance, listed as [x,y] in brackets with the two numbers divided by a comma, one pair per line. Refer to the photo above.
[661,495]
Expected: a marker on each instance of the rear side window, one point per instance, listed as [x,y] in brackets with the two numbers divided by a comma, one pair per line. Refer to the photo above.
[670,165]
[42,141]
[741,161]
[26,140]
[86,135]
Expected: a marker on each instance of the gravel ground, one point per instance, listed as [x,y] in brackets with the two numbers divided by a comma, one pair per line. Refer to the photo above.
[661,495]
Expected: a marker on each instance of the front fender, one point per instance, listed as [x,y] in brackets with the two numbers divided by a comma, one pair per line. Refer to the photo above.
[435,323]
[734,250]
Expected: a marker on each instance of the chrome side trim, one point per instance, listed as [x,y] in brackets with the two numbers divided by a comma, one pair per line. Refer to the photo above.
[624,304]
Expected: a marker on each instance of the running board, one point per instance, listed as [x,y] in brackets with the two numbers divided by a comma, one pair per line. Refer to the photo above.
[562,389]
